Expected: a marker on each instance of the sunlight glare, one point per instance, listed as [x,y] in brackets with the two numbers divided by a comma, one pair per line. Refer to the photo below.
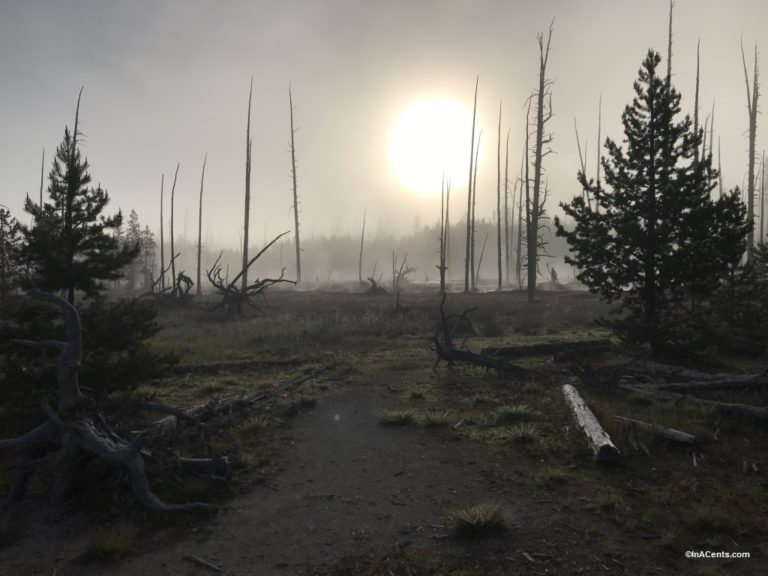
[428,138]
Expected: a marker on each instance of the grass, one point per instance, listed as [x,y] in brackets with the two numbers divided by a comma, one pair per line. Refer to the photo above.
[514,413]
[398,417]
[438,417]
[478,521]
[524,433]
[112,543]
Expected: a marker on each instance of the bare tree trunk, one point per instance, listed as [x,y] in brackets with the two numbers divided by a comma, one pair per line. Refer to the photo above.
[474,221]
[541,119]
[762,198]
[719,169]
[247,207]
[42,172]
[162,236]
[200,229]
[68,206]
[507,233]
[448,229]
[469,194]
[696,107]
[599,132]
[441,265]
[173,258]
[498,200]
[669,43]
[752,98]
[360,261]
[524,183]
[295,192]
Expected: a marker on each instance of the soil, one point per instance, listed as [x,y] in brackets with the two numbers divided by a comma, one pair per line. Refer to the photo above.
[353,493]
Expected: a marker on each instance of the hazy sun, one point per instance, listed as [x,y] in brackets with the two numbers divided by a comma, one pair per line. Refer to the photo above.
[429,138]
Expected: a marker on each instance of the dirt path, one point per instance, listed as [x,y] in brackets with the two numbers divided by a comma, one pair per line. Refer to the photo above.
[353,488]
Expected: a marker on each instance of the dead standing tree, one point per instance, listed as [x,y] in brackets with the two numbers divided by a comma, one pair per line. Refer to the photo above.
[234,298]
[295,190]
[469,197]
[200,229]
[247,208]
[77,428]
[543,96]
[173,260]
[752,99]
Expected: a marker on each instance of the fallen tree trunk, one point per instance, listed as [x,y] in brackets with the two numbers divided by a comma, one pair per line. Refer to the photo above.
[581,347]
[670,372]
[599,441]
[757,412]
[732,383]
[446,350]
[656,430]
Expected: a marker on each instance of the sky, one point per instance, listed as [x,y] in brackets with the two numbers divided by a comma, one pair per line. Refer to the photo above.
[166,82]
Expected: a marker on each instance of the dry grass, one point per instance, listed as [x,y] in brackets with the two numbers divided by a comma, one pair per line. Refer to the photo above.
[112,543]
[478,521]
[398,417]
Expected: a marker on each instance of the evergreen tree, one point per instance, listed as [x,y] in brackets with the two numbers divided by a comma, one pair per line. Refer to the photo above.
[657,238]
[68,245]
[10,247]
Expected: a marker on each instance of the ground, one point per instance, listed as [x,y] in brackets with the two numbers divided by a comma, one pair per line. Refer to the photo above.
[337,492]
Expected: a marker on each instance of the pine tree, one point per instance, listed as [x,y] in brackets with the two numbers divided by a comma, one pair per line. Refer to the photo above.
[10,247]
[68,245]
[655,240]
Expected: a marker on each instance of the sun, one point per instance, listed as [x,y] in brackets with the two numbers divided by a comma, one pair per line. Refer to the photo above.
[428,139]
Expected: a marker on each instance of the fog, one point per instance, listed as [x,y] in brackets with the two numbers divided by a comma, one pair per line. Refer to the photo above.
[167,82]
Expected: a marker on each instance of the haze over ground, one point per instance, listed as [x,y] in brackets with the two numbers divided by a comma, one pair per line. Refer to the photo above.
[167,82]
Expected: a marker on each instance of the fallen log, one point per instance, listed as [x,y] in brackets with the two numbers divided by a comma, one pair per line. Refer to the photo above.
[656,430]
[671,372]
[757,412]
[446,350]
[581,347]
[732,383]
[604,450]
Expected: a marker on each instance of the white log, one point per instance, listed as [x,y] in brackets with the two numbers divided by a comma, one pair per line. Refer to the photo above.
[602,447]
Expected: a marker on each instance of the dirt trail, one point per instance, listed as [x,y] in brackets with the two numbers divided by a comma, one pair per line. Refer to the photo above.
[352,488]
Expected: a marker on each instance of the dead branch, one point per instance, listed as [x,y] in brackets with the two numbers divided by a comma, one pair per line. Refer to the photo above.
[76,427]
[667,433]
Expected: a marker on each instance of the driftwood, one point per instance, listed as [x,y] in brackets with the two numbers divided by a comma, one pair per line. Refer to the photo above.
[77,427]
[732,383]
[446,349]
[599,441]
[656,430]
[557,349]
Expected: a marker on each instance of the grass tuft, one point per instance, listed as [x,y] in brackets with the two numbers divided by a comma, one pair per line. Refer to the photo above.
[523,433]
[402,417]
[479,521]
[438,417]
[112,543]
[514,413]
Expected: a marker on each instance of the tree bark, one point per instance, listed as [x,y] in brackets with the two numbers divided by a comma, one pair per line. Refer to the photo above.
[200,230]
[469,195]
[295,192]
[599,441]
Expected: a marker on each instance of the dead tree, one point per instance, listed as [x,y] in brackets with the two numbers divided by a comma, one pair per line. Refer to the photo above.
[162,237]
[446,350]
[173,260]
[474,220]
[360,260]
[543,97]
[200,229]
[498,201]
[696,105]
[295,191]
[507,232]
[602,447]
[442,265]
[762,198]
[752,99]
[247,204]
[42,172]
[76,428]
[469,194]
[234,298]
